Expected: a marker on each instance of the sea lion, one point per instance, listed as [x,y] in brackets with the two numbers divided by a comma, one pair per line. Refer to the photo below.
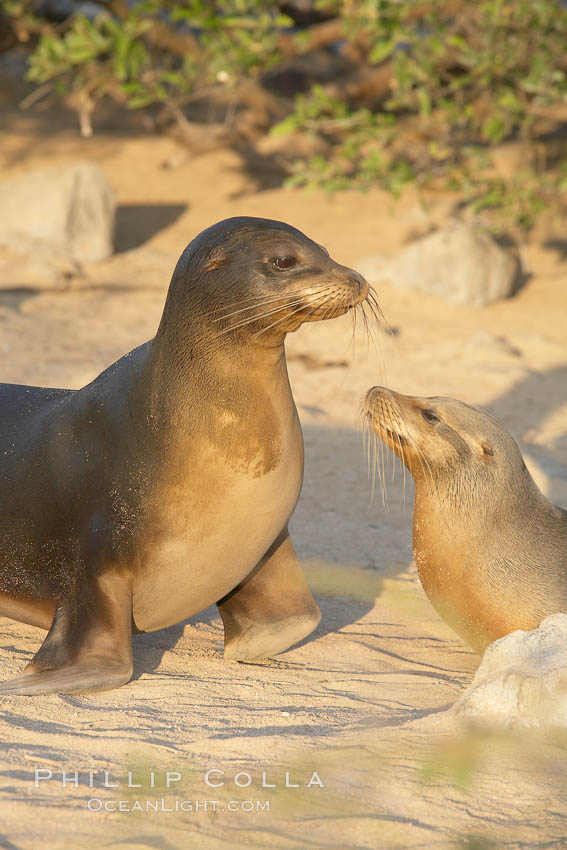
[167,483]
[490,549]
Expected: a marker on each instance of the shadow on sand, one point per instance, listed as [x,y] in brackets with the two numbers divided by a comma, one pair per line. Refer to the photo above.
[525,407]
[137,223]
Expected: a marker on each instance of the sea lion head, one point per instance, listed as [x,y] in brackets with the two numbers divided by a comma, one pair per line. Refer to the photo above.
[445,442]
[262,277]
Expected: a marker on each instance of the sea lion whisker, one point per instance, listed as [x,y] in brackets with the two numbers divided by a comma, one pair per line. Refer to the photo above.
[328,308]
[381,466]
[383,473]
[369,329]
[369,448]
[331,306]
[373,322]
[376,310]
[352,343]
[365,435]
[365,325]
[372,299]
[393,431]
[370,462]
[262,297]
[327,312]
[302,306]
[280,304]
[257,317]
[260,301]
[372,465]
[379,457]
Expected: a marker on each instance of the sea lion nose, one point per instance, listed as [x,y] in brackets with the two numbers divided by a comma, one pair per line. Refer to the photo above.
[376,393]
[358,283]
[357,280]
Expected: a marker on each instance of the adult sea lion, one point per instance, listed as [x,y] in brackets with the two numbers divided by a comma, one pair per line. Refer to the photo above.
[490,549]
[167,483]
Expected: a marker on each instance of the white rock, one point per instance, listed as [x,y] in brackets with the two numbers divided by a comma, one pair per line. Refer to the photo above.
[459,262]
[522,680]
[65,210]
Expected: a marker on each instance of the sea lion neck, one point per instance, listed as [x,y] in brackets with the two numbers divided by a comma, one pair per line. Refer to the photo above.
[462,504]
[219,370]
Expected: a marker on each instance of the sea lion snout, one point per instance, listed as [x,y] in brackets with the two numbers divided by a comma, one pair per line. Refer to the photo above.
[382,407]
[359,285]
[400,421]
[376,393]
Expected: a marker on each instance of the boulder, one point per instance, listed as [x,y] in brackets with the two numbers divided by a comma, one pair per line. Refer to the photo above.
[459,262]
[522,680]
[64,210]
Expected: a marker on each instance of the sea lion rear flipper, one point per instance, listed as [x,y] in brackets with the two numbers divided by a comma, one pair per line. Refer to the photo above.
[89,644]
[271,609]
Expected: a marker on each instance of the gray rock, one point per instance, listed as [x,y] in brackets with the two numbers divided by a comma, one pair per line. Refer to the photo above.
[65,210]
[522,680]
[459,262]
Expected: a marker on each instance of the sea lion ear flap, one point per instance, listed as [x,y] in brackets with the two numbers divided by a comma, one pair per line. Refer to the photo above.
[215,261]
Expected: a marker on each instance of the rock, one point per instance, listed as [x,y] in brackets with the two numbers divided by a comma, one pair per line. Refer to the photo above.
[522,680]
[66,211]
[459,262]
[421,219]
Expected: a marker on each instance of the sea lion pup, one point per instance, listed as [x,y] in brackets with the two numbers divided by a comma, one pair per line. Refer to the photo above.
[167,483]
[490,549]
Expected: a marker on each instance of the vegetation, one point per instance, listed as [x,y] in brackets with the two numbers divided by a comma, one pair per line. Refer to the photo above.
[147,52]
[424,92]
[456,85]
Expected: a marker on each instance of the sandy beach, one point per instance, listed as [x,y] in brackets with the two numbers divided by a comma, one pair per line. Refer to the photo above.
[363,705]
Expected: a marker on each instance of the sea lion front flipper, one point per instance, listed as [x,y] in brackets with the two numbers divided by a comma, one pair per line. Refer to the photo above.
[271,609]
[89,644]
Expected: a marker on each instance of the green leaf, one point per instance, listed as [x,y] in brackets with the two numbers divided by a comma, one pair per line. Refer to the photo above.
[424,101]
[382,50]
[494,129]
[283,128]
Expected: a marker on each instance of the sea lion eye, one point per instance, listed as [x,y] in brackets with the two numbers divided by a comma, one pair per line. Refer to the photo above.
[282,264]
[430,415]
[487,450]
